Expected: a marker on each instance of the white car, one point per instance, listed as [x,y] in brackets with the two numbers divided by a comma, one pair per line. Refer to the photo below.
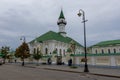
[1,61]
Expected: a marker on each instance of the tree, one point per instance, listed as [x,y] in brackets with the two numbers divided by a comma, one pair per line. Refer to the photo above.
[37,56]
[69,50]
[4,52]
[73,49]
[55,51]
[23,52]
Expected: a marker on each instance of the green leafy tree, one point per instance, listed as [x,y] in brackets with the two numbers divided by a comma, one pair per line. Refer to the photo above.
[69,50]
[23,52]
[37,56]
[5,51]
[73,49]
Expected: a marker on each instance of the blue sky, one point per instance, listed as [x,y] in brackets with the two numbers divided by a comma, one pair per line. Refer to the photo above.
[32,18]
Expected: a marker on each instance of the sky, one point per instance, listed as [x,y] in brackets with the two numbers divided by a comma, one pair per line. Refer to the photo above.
[32,18]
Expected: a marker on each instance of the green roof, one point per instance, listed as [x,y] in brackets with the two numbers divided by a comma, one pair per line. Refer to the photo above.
[61,15]
[54,36]
[107,43]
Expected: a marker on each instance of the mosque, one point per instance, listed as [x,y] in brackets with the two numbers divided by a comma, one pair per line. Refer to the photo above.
[55,43]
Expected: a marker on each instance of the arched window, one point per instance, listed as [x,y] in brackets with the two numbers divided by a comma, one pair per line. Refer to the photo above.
[114,50]
[60,52]
[34,51]
[109,51]
[56,50]
[96,51]
[102,51]
[64,52]
[46,51]
[37,50]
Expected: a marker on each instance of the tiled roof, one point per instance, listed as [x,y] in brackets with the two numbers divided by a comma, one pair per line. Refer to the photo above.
[54,36]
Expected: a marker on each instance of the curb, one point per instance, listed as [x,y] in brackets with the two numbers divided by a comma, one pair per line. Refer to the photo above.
[30,66]
[83,72]
[74,71]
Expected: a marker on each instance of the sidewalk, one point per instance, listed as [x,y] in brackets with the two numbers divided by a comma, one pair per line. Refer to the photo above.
[92,70]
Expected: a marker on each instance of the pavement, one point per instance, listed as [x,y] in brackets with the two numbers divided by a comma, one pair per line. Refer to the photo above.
[100,71]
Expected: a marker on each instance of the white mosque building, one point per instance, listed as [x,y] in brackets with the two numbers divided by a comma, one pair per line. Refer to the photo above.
[58,42]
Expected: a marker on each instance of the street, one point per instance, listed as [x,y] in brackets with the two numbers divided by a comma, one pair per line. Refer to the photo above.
[17,72]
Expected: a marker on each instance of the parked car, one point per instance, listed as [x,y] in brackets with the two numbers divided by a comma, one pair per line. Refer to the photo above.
[1,61]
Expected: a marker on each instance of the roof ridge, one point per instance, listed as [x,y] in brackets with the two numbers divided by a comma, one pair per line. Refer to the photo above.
[107,42]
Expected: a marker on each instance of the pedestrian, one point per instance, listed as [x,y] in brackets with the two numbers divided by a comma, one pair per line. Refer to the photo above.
[15,60]
[49,61]
[70,62]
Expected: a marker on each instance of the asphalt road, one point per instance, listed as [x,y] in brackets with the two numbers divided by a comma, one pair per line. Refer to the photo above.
[17,72]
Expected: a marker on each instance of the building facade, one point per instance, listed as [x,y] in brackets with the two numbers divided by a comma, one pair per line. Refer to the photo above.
[105,53]
[106,47]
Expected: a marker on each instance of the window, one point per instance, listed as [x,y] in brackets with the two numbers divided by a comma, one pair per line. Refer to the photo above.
[37,50]
[34,51]
[46,51]
[102,51]
[109,51]
[96,51]
[114,50]
[56,50]
[64,52]
[60,52]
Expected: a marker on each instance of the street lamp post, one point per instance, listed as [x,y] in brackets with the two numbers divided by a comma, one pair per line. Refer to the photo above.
[23,38]
[81,12]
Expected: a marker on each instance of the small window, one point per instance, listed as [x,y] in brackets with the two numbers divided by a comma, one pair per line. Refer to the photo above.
[60,52]
[46,51]
[34,51]
[37,50]
[56,50]
[64,52]
[114,50]
[102,51]
[109,51]
[96,51]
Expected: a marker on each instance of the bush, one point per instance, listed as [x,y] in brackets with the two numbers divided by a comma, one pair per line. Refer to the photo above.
[44,63]
[74,67]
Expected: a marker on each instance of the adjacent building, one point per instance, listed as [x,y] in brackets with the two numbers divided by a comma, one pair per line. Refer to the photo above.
[105,53]
[106,47]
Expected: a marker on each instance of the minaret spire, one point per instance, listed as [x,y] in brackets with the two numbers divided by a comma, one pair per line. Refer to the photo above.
[61,15]
[61,23]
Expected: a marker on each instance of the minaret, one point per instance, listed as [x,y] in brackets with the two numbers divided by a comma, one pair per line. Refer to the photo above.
[61,23]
